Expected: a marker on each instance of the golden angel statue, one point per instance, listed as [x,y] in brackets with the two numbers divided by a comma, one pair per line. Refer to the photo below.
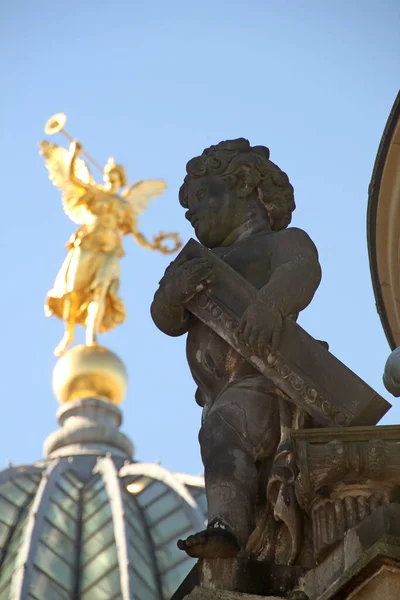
[86,288]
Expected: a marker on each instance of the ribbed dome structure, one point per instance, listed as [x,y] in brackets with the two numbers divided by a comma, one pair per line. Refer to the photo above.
[69,529]
[88,522]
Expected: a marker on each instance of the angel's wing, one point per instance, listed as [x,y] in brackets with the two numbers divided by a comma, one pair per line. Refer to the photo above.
[57,161]
[142,192]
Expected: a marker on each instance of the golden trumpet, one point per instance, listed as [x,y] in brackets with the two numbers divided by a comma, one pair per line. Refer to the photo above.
[56,124]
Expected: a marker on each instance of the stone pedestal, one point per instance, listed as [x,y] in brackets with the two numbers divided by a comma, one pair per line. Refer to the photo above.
[241,578]
[383,584]
[367,559]
[345,476]
[200,593]
[349,485]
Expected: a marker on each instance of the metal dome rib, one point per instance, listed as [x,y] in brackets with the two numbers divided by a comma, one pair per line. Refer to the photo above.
[70,530]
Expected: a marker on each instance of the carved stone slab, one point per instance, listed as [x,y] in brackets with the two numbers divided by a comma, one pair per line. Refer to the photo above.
[303,369]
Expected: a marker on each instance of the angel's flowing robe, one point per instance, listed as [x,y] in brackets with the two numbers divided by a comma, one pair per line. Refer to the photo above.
[92,263]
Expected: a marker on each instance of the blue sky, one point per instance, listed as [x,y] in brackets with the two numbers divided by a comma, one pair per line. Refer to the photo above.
[152,83]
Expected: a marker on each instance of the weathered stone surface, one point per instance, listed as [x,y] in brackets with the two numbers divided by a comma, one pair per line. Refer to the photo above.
[240,204]
[345,476]
[391,374]
[383,584]
[200,593]
[357,558]
[302,368]
[260,377]
[248,576]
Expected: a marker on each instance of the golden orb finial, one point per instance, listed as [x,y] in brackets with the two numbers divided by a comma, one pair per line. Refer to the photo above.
[89,372]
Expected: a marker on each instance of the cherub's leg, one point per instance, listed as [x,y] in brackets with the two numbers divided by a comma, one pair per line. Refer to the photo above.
[69,319]
[95,313]
[241,421]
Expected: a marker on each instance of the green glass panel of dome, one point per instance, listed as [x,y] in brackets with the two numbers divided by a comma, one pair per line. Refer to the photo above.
[170,526]
[95,569]
[55,538]
[73,479]
[42,587]
[131,501]
[8,512]
[97,542]
[5,593]
[7,570]
[106,588]
[145,567]
[141,590]
[12,560]
[133,508]
[173,578]
[168,554]
[136,527]
[92,489]
[69,488]
[11,492]
[60,519]
[54,566]
[151,492]
[143,548]
[96,520]
[161,507]
[29,484]
[66,502]
[12,551]
[95,502]
[4,530]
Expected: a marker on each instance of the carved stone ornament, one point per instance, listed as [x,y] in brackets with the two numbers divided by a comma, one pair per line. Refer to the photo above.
[345,476]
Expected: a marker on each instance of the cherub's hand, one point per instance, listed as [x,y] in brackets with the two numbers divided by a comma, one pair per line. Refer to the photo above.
[183,282]
[261,325]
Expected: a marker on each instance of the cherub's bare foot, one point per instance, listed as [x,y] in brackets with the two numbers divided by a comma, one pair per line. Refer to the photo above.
[63,345]
[214,542]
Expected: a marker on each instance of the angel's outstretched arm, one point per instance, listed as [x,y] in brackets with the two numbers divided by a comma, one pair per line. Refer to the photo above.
[141,240]
[157,243]
[139,237]
[76,148]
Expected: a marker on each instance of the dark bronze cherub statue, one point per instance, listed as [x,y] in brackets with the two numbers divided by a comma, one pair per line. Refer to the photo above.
[240,204]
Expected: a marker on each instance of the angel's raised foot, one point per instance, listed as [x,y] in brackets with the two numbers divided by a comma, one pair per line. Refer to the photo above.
[214,542]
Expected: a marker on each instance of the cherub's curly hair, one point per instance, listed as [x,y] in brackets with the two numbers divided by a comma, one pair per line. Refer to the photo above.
[236,161]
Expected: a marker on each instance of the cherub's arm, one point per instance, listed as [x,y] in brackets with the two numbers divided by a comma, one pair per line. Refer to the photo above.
[296,273]
[172,319]
[181,282]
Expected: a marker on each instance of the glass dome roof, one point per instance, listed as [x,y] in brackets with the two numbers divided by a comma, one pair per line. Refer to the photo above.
[95,528]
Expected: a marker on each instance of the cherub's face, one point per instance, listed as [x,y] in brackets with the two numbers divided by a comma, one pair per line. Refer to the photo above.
[213,210]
